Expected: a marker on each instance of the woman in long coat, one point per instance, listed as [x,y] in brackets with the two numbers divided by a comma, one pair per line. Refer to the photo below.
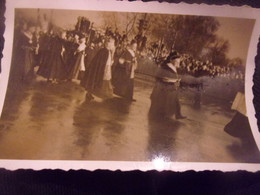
[165,97]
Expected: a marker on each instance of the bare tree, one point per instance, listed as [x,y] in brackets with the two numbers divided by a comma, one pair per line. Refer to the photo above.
[218,51]
[121,21]
[186,34]
[130,23]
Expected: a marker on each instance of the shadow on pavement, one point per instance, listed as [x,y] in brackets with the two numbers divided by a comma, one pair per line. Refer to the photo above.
[162,136]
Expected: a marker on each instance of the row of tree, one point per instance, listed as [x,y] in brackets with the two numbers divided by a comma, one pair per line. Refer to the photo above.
[193,35]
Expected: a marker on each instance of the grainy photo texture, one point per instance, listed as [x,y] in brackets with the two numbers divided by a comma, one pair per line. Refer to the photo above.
[127,86]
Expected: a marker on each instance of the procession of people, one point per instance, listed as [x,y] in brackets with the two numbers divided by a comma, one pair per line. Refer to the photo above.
[104,63]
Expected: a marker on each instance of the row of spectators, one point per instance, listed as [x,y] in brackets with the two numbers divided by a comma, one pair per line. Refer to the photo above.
[199,68]
[195,67]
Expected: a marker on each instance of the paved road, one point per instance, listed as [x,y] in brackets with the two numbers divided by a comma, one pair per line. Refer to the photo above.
[46,121]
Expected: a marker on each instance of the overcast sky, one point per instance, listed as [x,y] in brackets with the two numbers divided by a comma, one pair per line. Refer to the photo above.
[236,31]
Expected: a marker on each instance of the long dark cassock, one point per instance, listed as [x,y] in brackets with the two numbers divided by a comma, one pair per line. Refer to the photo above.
[45,53]
[93,78]
[123,78]
[54,67]
[23,62]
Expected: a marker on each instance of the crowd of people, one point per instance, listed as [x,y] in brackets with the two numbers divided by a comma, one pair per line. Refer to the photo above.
[105,63]
[191,66]
[199,68]
[63,56]
[60,56]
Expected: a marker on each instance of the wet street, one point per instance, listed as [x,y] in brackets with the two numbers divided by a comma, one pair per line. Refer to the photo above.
[53,122]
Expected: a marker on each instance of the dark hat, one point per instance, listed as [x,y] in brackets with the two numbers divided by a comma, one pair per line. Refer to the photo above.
[133,42]
[173,55]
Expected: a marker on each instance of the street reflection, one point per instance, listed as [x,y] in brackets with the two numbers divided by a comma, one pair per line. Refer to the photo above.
[100,120]
[162,137]
[52,121]
[15,95]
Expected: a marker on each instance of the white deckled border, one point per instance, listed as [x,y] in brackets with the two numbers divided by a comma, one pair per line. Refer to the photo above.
[149,7]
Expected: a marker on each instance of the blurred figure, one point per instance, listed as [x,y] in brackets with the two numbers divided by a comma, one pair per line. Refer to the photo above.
[36,45]
[165,97]
[24,61]
[79,66]
[123,78]
[97,80]
[53,67]
[89,54]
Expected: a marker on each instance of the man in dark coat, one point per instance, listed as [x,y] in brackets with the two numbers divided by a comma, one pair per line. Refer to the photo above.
[94,76]
[123,78]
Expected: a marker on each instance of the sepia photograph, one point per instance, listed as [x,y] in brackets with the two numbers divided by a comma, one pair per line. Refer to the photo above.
[94,85]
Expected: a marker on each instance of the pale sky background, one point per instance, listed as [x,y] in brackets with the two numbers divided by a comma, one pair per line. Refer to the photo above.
[237,31]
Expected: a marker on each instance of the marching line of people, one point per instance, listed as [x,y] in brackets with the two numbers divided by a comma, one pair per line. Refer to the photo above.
[62,57]
[103,68]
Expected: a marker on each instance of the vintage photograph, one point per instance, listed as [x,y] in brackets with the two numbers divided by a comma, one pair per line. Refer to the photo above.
[127,86]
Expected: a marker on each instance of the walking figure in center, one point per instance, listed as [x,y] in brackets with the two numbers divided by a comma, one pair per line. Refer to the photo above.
[124,71]
[97,79]
[165,96]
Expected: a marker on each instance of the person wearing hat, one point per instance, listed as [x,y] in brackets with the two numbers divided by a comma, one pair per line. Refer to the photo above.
[97,79]
[124,72]
[165,97]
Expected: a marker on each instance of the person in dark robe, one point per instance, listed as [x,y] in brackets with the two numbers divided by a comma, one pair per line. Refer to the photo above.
[54,68]
[120,49]
[45,52]
[43,46]
[165,97]
[118,72]
[97,79]
[123,77]
[72,53]
[23,64]
[90,53]
[69,57]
